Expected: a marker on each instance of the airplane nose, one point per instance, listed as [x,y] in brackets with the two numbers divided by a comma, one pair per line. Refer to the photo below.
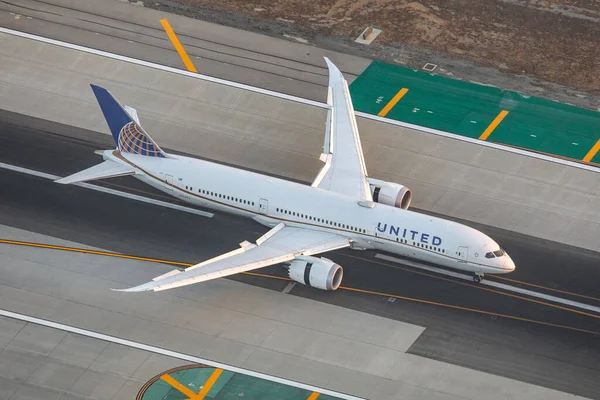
[509,264]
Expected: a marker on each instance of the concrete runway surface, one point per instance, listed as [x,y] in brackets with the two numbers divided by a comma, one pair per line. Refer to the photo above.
[239,56]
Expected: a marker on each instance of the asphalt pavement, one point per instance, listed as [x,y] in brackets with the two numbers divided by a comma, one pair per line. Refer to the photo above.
[467,325]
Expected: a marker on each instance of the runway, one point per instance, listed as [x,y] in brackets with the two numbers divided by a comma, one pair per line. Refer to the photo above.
[462,321]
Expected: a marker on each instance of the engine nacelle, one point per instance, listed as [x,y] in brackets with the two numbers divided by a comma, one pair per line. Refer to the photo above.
[320,273]
[390,194]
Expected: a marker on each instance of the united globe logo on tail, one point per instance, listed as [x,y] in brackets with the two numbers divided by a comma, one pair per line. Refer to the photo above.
[133,140]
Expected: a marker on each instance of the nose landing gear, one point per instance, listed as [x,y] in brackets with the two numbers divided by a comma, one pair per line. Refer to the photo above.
[477,277]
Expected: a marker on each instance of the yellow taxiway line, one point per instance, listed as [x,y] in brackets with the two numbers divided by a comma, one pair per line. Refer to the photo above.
[171,34]
[503,278]
[474,310]
[514,317]
[588,157]
[209,384]
[173,382]
[476,286]
[392,102]
[187,392]
[493,125]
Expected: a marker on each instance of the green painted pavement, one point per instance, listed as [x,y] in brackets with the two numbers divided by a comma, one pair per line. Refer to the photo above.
[467,109]
[228,386]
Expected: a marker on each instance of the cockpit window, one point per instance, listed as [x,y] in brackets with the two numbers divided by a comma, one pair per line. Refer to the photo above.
[493,254]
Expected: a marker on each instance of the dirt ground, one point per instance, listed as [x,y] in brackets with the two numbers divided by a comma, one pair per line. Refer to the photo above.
[549,41]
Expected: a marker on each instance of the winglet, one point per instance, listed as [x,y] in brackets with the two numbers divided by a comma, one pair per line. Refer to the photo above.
[335,76]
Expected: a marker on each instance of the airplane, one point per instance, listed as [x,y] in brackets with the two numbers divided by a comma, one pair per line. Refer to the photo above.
[342,208]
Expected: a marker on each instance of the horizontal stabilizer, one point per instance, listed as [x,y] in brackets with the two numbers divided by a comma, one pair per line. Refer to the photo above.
[133,113]
[107,169]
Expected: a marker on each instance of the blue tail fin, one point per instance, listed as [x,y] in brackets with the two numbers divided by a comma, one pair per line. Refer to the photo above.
[127,133]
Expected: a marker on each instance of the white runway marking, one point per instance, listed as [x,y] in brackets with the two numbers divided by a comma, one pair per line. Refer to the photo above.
[289,287]
[297,99]
[168,353]
[107,190]
[494,284]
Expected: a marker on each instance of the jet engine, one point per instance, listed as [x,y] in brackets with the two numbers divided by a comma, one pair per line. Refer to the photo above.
[320,273]
[391,194]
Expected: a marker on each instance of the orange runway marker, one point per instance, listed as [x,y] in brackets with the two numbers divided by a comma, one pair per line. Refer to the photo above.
[184,57]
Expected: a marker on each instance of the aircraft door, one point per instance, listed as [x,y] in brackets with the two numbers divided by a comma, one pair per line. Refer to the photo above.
[263,206]
[169,181]
[463,252]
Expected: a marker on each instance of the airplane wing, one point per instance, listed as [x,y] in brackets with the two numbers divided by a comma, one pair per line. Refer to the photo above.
[344,170]
[280,244]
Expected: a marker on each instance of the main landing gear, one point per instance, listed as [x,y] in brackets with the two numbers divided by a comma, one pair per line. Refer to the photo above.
[477,277]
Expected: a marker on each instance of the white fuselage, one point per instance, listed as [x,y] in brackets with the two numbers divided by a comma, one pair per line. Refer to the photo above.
[270,201]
